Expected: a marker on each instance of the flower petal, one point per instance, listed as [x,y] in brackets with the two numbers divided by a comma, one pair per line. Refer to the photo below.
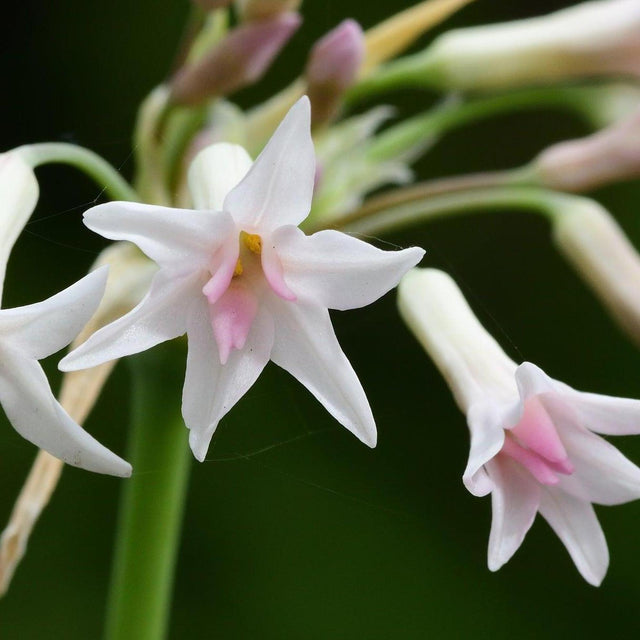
[37,416]
[575,523]
[211,389]
[306,346]
[180,239]
[215,171]
[514,502]
[334,270]
[601,471]
[18,195]
[487,437]
[43,328]
[278,188]
[162,315]
[607,414]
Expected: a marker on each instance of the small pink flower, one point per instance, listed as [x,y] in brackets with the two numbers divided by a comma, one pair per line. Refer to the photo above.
[534,442]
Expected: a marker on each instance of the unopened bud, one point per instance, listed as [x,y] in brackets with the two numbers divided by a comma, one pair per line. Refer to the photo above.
[333,66]
[588,236]
[239,60]
[609,155]
[592,38]
[251,10]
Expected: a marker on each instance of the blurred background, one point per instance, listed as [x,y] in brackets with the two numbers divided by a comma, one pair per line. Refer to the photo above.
[293,529]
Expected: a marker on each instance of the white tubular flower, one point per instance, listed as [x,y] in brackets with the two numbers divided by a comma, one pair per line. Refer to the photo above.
[533,439]
[246,284]
[592,38]
[28,334]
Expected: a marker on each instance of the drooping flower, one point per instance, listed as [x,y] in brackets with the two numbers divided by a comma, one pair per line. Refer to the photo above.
[33,332]
[245,284]
[534,442]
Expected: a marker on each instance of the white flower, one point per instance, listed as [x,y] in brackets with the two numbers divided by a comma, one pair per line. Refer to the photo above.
[246,284]
[533,439]
[28,334]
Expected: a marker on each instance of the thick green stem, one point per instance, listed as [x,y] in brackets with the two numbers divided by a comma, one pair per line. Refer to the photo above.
[96,167]
[152,504]
[397,217]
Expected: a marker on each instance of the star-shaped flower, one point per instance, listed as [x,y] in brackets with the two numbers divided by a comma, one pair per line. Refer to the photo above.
[33,332]
[245,284]
[534,446]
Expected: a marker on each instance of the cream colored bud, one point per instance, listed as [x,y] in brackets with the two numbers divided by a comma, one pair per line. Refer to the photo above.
[592,38]
[591,240]
[609,155]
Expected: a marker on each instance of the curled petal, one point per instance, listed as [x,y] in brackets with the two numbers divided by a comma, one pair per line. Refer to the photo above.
[18,195]
[159,317]
[180,239]
[278,188]
[37,416]
[274,272]
[575,523]
[40,329]
[211,389]
[337,271]
[487,438]
[306,346]
[514,500]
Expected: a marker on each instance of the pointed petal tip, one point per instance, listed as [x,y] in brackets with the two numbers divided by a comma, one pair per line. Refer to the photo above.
[68,363]
[199,445]
[125,470]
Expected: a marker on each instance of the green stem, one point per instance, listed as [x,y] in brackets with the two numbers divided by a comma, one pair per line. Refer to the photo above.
[409,133]
[393,218]
[152,504]
[87,161]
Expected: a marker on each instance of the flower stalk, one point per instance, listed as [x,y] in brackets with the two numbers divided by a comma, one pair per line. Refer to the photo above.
[152,506]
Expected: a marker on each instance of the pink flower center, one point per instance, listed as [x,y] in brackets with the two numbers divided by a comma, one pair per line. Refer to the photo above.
[535,444]
[238,277]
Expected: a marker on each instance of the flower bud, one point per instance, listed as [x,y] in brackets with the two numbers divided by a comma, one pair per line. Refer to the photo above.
[593,38]
[18,198]
[587,235]
[332,68]
[251,10]
[609,155]
[239,60]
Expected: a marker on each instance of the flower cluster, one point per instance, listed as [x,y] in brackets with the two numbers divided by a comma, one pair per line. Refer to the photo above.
[246,258]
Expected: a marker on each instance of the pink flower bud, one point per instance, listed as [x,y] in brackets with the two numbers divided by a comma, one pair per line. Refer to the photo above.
[333,65]
[240,59]
[609,155]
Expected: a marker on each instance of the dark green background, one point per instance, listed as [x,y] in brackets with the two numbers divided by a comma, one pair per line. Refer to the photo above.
[318,537]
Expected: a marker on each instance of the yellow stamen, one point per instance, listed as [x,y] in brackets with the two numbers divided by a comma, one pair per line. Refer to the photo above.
[252,241]
[238,270]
